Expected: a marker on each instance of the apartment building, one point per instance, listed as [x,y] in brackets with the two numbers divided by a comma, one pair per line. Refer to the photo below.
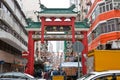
[13,36]
[83,9]
[104,19]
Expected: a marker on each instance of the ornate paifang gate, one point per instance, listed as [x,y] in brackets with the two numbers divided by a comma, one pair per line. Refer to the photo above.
[59,20]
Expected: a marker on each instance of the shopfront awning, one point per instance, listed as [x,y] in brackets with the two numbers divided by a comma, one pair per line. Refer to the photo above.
[70,64]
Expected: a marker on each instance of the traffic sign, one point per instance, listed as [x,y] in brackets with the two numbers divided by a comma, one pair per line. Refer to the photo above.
[78,47]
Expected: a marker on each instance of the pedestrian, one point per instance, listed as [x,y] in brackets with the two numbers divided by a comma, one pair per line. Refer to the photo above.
[55,72]
[51,74]
[62,72]
[46,75]
[43,74]
[114,77]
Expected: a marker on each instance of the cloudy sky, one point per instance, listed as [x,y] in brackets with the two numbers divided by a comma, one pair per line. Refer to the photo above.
[56,3]
[33,5]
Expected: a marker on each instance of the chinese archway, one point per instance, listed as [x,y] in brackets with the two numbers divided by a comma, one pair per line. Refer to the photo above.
[60,19]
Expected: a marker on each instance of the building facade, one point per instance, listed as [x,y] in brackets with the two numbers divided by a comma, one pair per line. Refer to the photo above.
[13,36]
[83,9]
[104,20]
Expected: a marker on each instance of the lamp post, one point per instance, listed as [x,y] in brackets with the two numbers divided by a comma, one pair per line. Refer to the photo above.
[1,65]
[79,64]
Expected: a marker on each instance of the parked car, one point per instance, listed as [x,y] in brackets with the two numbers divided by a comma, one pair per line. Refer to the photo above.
[104,75]
[16,76]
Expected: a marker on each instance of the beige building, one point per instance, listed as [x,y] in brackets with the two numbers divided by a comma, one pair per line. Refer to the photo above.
[13,36]
[82,7]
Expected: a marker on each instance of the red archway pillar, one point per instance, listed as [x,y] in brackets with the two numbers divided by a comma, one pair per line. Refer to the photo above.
[84,52]
[42,29]
[73,29]
[30,64]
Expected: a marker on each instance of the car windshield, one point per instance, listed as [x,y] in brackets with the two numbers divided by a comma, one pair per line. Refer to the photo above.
[86,76]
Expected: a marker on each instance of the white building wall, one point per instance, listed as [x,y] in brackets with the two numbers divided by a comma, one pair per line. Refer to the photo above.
[16,24]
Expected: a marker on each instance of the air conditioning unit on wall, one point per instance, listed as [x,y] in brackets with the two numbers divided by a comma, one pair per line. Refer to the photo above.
[118,20]
[117,7]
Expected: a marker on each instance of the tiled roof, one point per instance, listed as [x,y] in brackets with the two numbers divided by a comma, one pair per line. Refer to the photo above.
[38,25]
[57,10]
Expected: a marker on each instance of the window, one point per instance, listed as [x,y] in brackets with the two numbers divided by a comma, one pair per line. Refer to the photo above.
[93,16]
[111,25]
[99,30]
[97,11]
[103,27]
[109,5]
[102,7]
[118,24]
[89,38]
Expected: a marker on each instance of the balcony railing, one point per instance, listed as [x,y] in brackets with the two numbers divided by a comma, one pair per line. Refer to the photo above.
[12,40]
[6,18]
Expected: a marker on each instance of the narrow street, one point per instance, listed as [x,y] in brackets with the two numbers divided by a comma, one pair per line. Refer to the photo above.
[60,40]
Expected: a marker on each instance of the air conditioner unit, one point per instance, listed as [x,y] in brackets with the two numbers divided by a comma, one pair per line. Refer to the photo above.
[117,7]
[118,20]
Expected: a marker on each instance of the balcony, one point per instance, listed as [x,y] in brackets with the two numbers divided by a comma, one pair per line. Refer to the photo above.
[12,40]
[9,20]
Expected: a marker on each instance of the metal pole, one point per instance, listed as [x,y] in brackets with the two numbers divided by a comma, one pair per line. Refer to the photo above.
[1,68]
[78,65]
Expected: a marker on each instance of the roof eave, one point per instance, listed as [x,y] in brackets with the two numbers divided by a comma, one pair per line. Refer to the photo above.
[81,29]
[58,15]
[33,29]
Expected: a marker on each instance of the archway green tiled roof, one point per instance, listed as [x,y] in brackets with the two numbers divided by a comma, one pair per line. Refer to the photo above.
[81,25]
[38,25]
[34,25]
[63,11]
[57,10]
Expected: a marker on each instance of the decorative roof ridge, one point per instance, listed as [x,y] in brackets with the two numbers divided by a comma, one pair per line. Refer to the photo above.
[45,8]
[78,21]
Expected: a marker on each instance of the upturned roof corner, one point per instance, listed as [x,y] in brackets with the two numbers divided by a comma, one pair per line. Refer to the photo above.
[72,7]
[42,6]
[45,10]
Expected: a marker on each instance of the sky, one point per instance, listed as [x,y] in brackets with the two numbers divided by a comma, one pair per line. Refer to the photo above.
[33,5]
[56,3]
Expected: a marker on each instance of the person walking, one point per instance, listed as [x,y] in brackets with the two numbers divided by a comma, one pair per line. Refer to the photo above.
[62,72]
[46,75]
